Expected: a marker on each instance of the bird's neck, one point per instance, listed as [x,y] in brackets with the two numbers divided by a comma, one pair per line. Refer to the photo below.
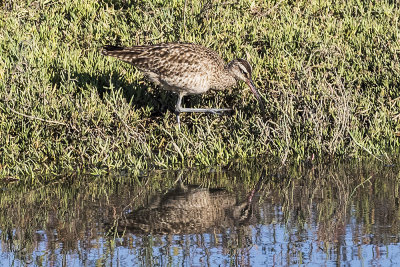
[225,80]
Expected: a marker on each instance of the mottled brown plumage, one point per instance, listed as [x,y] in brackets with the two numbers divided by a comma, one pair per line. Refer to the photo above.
[185,69]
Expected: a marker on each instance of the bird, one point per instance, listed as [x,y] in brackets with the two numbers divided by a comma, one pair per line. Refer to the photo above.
[186,69]
[190,209]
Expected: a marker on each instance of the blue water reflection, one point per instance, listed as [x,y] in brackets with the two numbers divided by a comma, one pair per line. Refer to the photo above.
[274,244]
[286,227]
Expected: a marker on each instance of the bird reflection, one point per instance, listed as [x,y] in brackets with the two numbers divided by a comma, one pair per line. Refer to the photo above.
[190,209]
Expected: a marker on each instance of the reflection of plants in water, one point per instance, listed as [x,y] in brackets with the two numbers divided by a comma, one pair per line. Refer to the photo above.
[323,198]
[72,213]
[72,210]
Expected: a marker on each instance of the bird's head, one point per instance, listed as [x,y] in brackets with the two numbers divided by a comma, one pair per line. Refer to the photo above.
[241,70]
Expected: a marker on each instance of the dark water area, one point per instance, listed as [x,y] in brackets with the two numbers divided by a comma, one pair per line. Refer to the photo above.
[347,214]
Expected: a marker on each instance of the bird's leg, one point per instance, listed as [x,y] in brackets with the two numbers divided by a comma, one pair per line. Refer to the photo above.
[179,109]
[218,111]
[178,120]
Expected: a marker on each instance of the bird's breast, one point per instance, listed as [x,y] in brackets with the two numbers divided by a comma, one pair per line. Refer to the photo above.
[188,83]
[222,81]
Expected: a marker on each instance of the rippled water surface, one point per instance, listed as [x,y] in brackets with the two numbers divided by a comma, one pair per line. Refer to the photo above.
[346,214]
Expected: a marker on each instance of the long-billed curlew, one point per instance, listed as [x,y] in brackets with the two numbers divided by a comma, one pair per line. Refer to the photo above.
[185,69]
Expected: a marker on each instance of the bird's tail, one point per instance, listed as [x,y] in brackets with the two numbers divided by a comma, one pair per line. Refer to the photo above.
[126,54]
[110,50]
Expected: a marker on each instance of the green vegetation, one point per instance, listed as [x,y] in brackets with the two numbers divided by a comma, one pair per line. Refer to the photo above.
[329,72]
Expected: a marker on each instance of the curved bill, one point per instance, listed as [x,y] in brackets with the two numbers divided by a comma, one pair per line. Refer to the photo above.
[255,92]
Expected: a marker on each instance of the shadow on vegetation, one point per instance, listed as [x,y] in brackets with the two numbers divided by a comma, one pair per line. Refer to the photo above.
[138,93]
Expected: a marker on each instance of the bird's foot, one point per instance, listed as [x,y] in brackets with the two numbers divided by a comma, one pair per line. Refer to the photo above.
[178,120]
[220,111]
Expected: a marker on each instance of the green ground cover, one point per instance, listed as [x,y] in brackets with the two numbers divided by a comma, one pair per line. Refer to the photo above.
[328,70]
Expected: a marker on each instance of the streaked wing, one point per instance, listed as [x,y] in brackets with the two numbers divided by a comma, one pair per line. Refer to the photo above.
[164,59]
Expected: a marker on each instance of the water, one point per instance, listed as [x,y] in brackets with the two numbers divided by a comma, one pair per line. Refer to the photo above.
[345,215]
